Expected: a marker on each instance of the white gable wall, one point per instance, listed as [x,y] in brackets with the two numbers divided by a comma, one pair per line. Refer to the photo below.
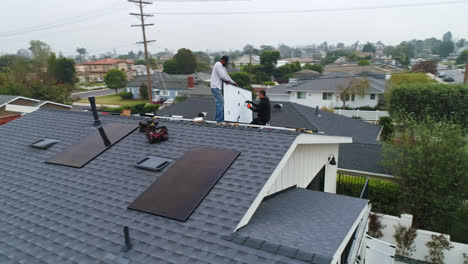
[313,99]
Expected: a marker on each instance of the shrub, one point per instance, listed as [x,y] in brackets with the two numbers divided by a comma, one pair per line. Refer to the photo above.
[269,83]
[138,108]
[436,249]
[150,108]
[324,108]
[144,91]
[179,98]
[117,109]
[126,95]
[261,77]
[363,62]
[313,67]
[375,225]
[405,239]
[387,128]
[241,78]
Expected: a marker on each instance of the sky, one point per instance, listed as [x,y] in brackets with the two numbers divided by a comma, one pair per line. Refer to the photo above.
[211,25]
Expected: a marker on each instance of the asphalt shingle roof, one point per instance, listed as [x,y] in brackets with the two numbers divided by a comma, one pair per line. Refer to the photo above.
[6,98]
[57,214]
[277,221]
[362,157]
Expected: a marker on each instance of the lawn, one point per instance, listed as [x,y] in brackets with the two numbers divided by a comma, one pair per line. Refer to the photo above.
[112,100]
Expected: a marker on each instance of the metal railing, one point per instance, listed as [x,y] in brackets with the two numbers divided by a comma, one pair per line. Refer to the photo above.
[353,185]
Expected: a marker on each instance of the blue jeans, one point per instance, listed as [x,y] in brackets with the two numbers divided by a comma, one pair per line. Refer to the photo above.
[219,117]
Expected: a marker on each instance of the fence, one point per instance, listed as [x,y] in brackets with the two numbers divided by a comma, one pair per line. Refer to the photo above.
[364,115]
[455,255]
[352,185]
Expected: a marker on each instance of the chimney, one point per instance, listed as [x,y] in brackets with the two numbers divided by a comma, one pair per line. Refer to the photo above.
[92,101]
[191,82]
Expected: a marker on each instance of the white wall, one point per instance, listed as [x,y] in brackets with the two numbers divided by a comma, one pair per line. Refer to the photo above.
[304,164]
[313,99]
[453,256]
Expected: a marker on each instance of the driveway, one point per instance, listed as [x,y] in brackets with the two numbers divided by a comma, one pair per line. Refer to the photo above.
[84,95]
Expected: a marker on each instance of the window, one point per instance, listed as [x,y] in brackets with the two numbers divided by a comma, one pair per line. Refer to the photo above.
[372,96]
[164,93]
[327,96]
[352,97]
[301,95]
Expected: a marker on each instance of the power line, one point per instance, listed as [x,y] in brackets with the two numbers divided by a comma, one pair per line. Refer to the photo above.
[271,12]
[65,21]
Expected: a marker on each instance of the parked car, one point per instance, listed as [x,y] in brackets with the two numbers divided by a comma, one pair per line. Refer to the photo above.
[160,101]
[448,78]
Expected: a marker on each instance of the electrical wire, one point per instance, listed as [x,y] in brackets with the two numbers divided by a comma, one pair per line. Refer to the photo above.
[337,9]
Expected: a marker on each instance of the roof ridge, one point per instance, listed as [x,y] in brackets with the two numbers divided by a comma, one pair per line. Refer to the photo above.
[305,117]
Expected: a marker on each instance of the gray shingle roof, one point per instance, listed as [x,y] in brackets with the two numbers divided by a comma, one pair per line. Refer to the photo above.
[362,157]
[276,222]
[6,98]
[57,214]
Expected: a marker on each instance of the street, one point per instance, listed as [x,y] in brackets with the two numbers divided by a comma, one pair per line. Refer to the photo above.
[84,95]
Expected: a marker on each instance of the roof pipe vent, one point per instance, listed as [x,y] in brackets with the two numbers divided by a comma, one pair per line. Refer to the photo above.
[278,106]
[316,111]
[92,101]
[127,245]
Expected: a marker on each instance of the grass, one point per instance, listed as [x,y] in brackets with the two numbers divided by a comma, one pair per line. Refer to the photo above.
[112,100]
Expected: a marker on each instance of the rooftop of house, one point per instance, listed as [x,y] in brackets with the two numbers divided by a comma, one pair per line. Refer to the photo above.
[327,83]
[362,157]
[164,81]
[59,214]
[10,99]
[106,62]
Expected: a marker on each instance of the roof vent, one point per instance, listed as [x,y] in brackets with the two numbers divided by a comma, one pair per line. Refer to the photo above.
[44,143]
[153,163]
[278,106]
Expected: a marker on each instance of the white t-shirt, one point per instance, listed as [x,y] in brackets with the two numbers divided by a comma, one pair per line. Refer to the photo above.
[219,75]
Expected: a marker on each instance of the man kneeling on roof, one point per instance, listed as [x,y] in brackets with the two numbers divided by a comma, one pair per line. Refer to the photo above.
[262,108]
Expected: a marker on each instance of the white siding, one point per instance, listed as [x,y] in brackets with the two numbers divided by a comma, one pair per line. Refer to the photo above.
[279,97]
[305,162]
[314,99]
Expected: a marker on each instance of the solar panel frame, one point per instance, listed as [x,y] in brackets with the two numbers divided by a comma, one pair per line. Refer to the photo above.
[90,147]
[180,190]
[44,143]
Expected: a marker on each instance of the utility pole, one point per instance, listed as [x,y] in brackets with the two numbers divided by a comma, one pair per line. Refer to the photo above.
[466,71]
[250,65]
[144,42]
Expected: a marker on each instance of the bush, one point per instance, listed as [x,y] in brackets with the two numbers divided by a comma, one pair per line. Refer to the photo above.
[117,109]
[375,225]
[313,67]
[441,101]
[387,128]
[241,78]
[269,83]
[383,195]
[179,98]
[436,249]
[126,95]
[261,77]
[363,62]
[144,91]
[138,108]
[150,108]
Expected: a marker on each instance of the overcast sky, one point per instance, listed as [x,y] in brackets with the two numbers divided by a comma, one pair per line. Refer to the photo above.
[104,25]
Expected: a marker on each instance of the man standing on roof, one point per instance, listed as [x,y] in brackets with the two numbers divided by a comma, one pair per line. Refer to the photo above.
[218,77]
[262,108]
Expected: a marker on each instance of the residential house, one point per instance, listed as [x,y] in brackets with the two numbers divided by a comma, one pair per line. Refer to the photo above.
[13,107]
[141,70]
[362,157]
[302,61]
[266,205]
[165,85]
[324,91]
[245,60]
[95,70]
[356,69]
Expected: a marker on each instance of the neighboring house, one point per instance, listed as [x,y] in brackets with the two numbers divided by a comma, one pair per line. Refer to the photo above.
[13,107]
[306,75]
[165,85]
[245,60]
[356,69]
[95,70]
[324,92]
[267,206]
[141,70]
[363,156]
[302,61]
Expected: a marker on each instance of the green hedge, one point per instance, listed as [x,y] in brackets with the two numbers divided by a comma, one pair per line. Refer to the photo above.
[126,95]
[442,101]
[140,108]
[383,195]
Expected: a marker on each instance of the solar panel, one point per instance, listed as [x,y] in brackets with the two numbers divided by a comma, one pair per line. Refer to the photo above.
[153,163]
[181,189]
[93,145]
[44,143]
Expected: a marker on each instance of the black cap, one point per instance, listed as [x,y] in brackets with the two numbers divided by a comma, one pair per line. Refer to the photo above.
[225,58]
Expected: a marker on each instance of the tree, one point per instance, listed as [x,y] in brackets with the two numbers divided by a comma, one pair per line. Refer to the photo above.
[426,66]
[261,77]
[65,72]
[241,78]
[170,67]
[285,51]
[81,54]
[140,62]
[115,79]
[153,63]
[350,88]
[462,57]
[430,165]
[203,61]
[186,61]
[40,52]
[444,49]
[368,47]
[313,67]
[269,59]
[340,46]
[447,37]
[363,62]
[264,48]
[461,43]
[144,91]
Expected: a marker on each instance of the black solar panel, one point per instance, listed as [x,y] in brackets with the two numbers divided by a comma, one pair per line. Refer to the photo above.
[44,143]
[181,189]
[90,147]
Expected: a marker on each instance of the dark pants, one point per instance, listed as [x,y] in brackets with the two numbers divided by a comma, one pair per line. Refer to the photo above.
[258,121]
